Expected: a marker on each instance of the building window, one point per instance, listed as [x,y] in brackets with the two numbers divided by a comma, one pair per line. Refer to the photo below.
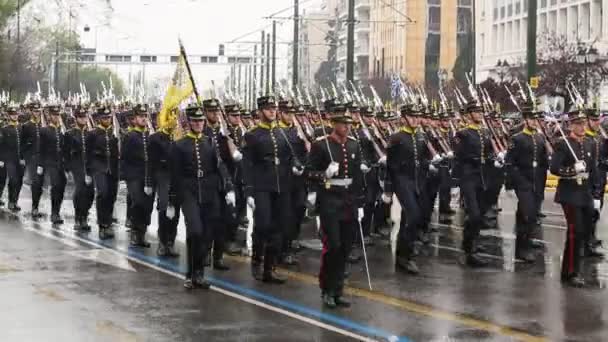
[510,10]
[502,12]
[434,19]
[495,13]
[525,6]
[463,18]
[543,3]
[553,2]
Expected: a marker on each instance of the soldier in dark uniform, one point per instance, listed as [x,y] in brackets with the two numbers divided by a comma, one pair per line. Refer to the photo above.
[526,163]
[137,171]
[226,221]
[76,151]
[12,156]
[473,155]
[297,190]
[160,149]
[102,160]
[576,192]
[198,179]
[334,169]
[594,143]
[408,160]
[267,168]
[52,152]
[31,152]
[236,133]
[445,170]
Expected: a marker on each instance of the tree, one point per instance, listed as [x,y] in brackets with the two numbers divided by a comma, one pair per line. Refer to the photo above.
[328,69]
[92,77]
[463,64]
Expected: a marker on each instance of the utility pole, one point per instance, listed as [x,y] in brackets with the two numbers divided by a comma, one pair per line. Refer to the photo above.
[254,72]
[531,55]
[56,73]
[268,64]
[296,40]
[18,22]
[262,61]
[274,55]
[473,38]
[350,44]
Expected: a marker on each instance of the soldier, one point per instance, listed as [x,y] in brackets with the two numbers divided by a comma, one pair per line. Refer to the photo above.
[102,159]
[526,163]
[52,152]
[31,153]
[198,178]
[445,174]
[76,151]
[473,155]
[268,168]
[137,171]
[236,131]
[12,156]
[593,142]
[334,168]
[160,149]
[574,163]
[408,160]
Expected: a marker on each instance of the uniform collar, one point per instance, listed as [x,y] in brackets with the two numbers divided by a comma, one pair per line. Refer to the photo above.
[100,126]
[137,129]
[528,131]
[194,136]
[590,133]
[265,125]
[474,126]
[284,125]
[443,130]
[408,129]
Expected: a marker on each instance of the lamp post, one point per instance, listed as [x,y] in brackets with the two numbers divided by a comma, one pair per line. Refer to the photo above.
[442,75]
[586,57]
[502,69]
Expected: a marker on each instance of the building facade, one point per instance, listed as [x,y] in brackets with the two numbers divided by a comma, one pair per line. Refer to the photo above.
[362,38]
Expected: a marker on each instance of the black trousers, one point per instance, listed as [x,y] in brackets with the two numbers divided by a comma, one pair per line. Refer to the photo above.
[339,225]
[58,181]
[370,208]
[15,172]
[445,189]
[106,186]
[167,228]
[412,218]
[433,184]
[198,217]
[579,221]
[141,205]
[271,217]
[476,205]
[83,195]
[36,181]
[3,176]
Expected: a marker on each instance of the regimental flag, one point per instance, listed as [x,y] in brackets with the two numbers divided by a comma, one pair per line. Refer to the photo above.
[180,89]
[395,86]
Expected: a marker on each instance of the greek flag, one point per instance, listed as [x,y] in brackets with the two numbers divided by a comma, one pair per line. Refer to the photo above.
[395,86]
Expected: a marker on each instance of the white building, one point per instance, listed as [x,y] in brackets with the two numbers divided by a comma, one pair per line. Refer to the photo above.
[362,26]
[501,28]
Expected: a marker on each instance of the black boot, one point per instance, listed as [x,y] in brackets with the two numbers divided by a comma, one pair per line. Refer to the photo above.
[162,250]
[13,207]
[256,269]
[218,264]
[56,219]
[105,232]
[329,301]
[171,252]
[85,227]
[199,280]
[408,265]
[36,213]
[523,249]
[340,301]
[77,223]
[270,275]
[475,261]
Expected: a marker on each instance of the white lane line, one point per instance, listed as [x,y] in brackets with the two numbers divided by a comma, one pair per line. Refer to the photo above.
[179,276]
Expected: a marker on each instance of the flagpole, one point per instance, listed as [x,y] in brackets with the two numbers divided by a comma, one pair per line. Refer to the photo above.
[182,50]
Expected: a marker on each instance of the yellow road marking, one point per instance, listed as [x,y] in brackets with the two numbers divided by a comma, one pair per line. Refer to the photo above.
[116,332]
[421,309]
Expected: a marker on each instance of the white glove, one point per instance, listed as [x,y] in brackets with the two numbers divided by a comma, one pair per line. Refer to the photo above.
[500,156]
[382,160]
[39,170]
[22,162]
[597,204]
[360,214]
[365,169]
[580,166]
[251,203]
[387,197]
[498,164]
[88,180]
[436,159]
[231,198]
[450,155]
[297,171]
[148,190]
[432,168]
[312,198]
[1,164]
[237,156]
[332,170]
[170,212]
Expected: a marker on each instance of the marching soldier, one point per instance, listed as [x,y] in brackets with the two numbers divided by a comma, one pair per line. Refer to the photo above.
[593,142]
[408,160]
[160,156]
[76,151]
[31,152]
[573,161]
[102,159]
[198,179]
[527,163]
[445,175]
[473,155]
[268,168]
[12,156]
[137,172]
[52,153]
[334,168]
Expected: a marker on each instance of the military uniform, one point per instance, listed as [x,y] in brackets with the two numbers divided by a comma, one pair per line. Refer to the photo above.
[13,158]
[76,151]
[31,152]
[52,153]
[198,179]
[267,165]
[136,169]
[102,160]
[526,163]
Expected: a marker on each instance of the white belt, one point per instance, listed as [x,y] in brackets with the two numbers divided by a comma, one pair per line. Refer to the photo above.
[340,182]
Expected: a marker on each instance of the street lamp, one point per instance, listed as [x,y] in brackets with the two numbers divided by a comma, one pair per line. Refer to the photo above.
[585,57]
[442,74]
[502,69]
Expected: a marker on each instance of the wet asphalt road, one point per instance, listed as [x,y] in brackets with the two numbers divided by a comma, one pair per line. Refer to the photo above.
[58,286]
